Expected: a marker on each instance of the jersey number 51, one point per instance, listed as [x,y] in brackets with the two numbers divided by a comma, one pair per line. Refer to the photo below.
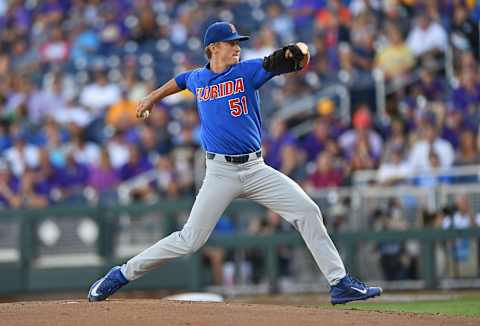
[238,106]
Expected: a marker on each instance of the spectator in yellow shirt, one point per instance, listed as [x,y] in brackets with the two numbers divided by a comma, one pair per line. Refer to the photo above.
[395,59]
[122,113]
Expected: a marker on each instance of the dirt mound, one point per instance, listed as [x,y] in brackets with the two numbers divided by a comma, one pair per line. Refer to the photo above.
[173,313]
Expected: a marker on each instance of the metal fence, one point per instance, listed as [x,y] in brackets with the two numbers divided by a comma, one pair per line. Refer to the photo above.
[36,247]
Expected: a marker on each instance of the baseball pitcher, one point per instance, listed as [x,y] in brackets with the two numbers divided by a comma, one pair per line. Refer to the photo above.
[226,91]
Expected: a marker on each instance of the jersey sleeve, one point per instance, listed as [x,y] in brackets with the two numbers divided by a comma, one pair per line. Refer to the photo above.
[182,79]
[257,74]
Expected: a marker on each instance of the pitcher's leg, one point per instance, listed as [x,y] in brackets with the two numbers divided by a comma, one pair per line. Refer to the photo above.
[214,196]
[285,197]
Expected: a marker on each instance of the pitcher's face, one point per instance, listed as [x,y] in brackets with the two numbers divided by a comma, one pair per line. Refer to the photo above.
[228,52]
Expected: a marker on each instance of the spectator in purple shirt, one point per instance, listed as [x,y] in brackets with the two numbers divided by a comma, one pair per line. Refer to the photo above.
[112,33]
[280,137]
[430,86]
[17,15]
[74,178]
[102,176]
[34,190]
[136,164]
[314,142]
[53,10]
[467,96]
[9,188]
[303,13]
[455,123]
[52,176]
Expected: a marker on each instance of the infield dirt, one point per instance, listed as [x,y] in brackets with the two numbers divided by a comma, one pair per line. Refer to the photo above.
[174,313]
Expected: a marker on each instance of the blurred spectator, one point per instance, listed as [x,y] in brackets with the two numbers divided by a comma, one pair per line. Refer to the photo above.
[467,153]
[85,42]
[422,150]
[34,190]
[464,34]
[315,141]
[394,258]
[263,45]
[72,113]
[122,114]
[466,97]
[333,148]
[51,176]
[147,28]
[397,138]
[426,36]
[395,59]
[137,163]
[9,188]
[362,140]
[21,155]
[279,137]
[363,52]
[430,86]
[463,249]
[325,174]
[394,168]
[167,178]
[434,175]
[328,112]
[74,179]
[280,22]
[112,31]
[454,124]
[5,62]
[24,58]
[333,11]
[56,50]
[323,64]
[137,89]
[292,163]
[53,141]
[102,177]
[118,149]
[84,151]
[43,103]
[158,121]
[302,12]
[358,7]
[100,94]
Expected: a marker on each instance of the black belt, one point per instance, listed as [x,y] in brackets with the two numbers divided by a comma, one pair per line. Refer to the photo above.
[237,159]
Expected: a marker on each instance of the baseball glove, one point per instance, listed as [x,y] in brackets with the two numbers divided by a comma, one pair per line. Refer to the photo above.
[290,58]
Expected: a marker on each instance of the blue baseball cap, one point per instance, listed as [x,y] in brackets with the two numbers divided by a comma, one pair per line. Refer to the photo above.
[222,32]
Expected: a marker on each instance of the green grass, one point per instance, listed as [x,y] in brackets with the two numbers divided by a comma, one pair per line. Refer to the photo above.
[461,307]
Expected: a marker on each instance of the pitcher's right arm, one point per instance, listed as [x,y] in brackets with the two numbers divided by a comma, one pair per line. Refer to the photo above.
[145,106]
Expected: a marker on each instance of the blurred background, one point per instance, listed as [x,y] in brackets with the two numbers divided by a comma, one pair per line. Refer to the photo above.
[381,129]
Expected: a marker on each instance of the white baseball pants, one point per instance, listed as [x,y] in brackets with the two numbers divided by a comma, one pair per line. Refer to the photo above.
[254,180]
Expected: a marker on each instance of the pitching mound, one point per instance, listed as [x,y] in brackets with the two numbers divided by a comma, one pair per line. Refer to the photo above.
[172,313]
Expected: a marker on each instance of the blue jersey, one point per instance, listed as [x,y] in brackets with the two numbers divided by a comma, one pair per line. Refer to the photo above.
[228,105]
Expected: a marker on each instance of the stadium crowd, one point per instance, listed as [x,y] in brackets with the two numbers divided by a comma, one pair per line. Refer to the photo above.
[71,72]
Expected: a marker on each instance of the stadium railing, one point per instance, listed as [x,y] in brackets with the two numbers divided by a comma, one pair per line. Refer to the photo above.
[65,248]
[456,173]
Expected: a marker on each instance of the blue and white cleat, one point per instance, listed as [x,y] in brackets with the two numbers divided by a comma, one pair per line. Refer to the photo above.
[107,285]
[350,289]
